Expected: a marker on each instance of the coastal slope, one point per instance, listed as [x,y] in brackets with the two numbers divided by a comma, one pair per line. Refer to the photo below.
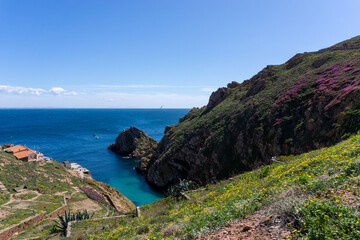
[32,194]
[314,195]
[309,102]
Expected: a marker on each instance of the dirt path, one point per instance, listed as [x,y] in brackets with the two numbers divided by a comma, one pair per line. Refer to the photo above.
[3,188]
[258,226]
[102,218]
[12,199]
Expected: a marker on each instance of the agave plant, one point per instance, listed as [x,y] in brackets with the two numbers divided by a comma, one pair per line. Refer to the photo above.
[183,186]
[65,219]
[63,222]
[82,216]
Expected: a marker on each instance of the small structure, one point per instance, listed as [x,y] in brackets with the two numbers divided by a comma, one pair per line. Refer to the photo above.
[21,188]
[137,212]
[83,172]
[25,154]
[67,164]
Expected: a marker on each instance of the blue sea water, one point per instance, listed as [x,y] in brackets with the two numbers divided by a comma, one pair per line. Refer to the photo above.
[67,134]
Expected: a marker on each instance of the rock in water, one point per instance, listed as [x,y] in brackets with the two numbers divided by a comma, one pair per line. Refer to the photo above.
[133,142]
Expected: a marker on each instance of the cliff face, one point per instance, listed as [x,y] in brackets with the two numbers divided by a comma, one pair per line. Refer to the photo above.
[115,198]
[311,101]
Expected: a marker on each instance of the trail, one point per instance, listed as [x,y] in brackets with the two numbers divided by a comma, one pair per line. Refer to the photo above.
[258,226]
[3,188]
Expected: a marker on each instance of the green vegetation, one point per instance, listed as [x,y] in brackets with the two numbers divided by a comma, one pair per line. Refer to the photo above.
[15,217]
[324,219]
[45,185]
[79,230]
[287,108]
[43,177]
[231,109]
[318,179]
[41,230]
[27,196]
[64,220]
[4,198]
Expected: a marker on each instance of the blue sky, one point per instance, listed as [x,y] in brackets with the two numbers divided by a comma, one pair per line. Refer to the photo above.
[125,54]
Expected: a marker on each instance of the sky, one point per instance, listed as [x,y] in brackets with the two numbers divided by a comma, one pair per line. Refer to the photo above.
[148,54]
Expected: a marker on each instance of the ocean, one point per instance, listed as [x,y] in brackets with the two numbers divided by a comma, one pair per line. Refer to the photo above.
[67,134]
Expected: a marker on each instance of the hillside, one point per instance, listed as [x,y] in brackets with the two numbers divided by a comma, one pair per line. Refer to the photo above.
[311,196]
[309,102]
[45,189]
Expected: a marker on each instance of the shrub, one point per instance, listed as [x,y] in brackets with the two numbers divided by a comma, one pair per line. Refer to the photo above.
[94,195]
[320,219]
[170,230]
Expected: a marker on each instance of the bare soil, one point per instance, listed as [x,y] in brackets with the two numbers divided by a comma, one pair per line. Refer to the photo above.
[87,204]
[4,213]
[258,226]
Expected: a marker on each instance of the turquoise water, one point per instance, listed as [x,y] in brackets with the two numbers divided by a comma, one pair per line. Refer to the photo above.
[67,134]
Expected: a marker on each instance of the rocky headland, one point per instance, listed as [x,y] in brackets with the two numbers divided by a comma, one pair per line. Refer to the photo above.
[133,142]
[309,102]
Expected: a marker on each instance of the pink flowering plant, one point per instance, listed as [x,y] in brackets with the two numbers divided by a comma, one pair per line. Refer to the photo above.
[331,84]
[93,195]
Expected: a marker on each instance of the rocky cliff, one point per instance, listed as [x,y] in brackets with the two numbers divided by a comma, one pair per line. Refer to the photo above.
[133,142]
[311,101]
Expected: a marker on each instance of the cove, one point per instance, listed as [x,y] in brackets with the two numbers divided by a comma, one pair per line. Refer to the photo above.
[67,134]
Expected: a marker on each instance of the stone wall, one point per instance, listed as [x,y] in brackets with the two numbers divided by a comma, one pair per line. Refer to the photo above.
[11,231]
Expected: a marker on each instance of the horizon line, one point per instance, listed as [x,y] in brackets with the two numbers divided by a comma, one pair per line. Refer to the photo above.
[47,108]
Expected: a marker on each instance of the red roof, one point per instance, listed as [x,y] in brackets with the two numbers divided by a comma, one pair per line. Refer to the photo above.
[17,148]
[22,154]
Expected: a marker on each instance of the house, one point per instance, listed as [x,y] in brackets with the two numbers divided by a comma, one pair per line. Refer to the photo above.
[83,172]
[67,164]
[24,154]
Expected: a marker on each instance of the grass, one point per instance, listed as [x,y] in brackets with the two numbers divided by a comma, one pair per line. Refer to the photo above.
[82,228]
[51,198]
[17,216]
[26,196]
[4,198]
[325,219]
[41,207]
[317,174]
[41,229]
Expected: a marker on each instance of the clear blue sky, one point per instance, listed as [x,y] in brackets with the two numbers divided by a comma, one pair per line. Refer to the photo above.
[133,53]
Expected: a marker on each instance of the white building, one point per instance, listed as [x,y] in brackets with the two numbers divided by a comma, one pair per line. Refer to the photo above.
[83,172]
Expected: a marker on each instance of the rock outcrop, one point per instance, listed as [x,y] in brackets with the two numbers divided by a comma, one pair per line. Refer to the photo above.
[310,102]
[133,142]
[115,198]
